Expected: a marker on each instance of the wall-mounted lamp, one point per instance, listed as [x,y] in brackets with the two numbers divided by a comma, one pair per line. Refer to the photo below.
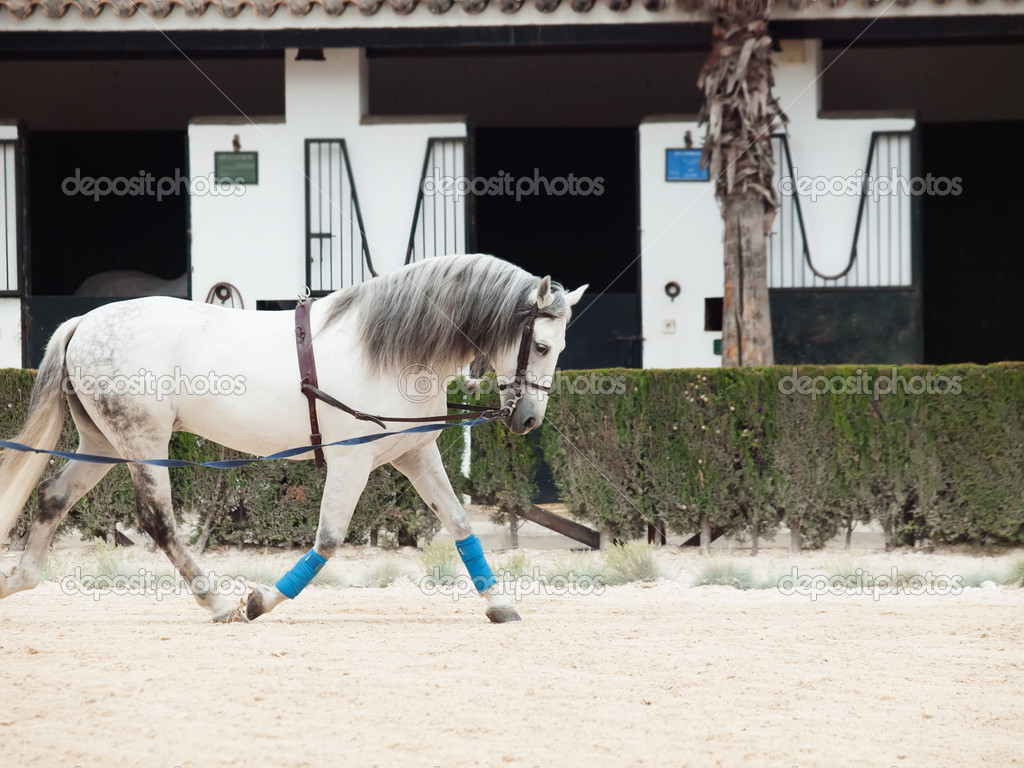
[672,290]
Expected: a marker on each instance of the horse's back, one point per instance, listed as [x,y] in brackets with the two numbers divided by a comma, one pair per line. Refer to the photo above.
[157,327]
[227,374]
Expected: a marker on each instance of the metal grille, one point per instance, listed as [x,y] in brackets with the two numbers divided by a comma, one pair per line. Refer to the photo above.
[9,216]
[880,252]
[337,252]
[439,220]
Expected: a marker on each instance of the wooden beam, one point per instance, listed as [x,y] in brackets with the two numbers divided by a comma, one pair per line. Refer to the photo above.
[562,525]
[694,541]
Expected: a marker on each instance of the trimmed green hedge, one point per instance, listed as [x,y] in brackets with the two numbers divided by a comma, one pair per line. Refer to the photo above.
[738,450]
[744,451]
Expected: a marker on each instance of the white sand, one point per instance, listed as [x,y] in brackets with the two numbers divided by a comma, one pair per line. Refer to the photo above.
[640,675]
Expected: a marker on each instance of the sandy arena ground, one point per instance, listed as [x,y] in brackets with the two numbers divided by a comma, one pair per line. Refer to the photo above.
[666,674]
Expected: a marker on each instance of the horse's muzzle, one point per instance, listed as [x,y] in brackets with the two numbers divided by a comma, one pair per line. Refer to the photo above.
[521,422]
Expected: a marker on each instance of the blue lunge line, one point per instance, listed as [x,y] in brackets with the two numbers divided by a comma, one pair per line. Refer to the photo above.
[472,553]
[301,574]
[232,463]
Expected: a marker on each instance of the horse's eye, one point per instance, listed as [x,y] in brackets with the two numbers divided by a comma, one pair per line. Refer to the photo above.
[542,349]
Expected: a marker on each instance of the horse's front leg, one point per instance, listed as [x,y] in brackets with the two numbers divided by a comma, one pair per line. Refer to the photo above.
[424,469]
[345,482]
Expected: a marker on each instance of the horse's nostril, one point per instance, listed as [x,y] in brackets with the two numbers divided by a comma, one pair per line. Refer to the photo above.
[529,423]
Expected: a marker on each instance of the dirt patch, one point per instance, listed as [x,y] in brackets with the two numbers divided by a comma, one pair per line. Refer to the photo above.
[666,674]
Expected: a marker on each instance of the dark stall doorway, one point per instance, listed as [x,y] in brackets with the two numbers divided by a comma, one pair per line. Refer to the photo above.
[575,238]
[973,272]
[80,225]
[586,237]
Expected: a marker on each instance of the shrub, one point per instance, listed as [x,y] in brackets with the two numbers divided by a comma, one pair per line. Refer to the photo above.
[575,567]
[717,571]
[515,566]
[440,561]
[631,561]
[384,572]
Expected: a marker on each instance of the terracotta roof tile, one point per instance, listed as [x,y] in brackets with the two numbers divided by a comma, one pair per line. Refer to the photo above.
[55,9]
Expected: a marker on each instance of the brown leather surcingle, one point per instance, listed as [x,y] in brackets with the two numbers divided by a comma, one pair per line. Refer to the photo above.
[307,373]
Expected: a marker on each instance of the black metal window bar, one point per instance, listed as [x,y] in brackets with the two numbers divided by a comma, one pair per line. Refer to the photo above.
[439,219]
[880,254]
[337,251]
[10,217]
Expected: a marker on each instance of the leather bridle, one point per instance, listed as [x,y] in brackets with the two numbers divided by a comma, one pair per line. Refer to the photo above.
[519,381]
[309,385]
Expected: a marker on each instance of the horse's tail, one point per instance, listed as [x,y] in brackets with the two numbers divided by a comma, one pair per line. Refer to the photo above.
[19,472]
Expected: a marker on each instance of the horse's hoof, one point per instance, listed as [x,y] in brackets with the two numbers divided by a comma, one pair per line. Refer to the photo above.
[236,613]
[254,606]
[499,614]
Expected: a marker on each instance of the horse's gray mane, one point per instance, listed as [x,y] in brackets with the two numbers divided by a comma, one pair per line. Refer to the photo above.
[442,311]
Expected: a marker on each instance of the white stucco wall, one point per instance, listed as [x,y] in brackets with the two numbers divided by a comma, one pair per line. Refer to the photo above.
[257,241]
[10,333]
[681,241]
[10,308]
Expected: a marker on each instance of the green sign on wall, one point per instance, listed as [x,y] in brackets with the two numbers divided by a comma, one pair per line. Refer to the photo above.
[242,167]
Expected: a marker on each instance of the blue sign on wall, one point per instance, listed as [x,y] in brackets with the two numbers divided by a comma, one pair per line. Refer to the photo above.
[684,165]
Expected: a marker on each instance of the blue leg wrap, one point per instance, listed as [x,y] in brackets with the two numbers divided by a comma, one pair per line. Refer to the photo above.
[301,574]
[472,553]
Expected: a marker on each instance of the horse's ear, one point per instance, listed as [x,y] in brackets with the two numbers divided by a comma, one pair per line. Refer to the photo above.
[544,292]
[576,295]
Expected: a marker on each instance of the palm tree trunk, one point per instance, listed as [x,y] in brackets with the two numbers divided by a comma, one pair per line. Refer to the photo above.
[746,317]
[740,111]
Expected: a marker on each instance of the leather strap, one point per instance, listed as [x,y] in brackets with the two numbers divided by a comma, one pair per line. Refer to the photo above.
[467,409]
[307,374]
[519,381]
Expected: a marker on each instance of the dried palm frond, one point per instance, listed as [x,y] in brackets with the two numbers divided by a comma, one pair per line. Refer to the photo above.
[739,107]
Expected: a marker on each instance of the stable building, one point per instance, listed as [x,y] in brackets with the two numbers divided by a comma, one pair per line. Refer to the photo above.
[360,136]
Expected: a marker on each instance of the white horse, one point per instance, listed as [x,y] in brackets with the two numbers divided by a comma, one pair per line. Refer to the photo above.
[127,282]
[136,371]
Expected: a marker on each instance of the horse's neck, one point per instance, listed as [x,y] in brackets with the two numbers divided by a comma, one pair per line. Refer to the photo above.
[345,331]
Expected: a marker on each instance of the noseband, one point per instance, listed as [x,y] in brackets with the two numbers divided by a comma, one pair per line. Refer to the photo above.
[519,382]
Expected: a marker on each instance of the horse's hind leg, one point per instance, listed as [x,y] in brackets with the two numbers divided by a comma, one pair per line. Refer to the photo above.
[57,494]
[156,517]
